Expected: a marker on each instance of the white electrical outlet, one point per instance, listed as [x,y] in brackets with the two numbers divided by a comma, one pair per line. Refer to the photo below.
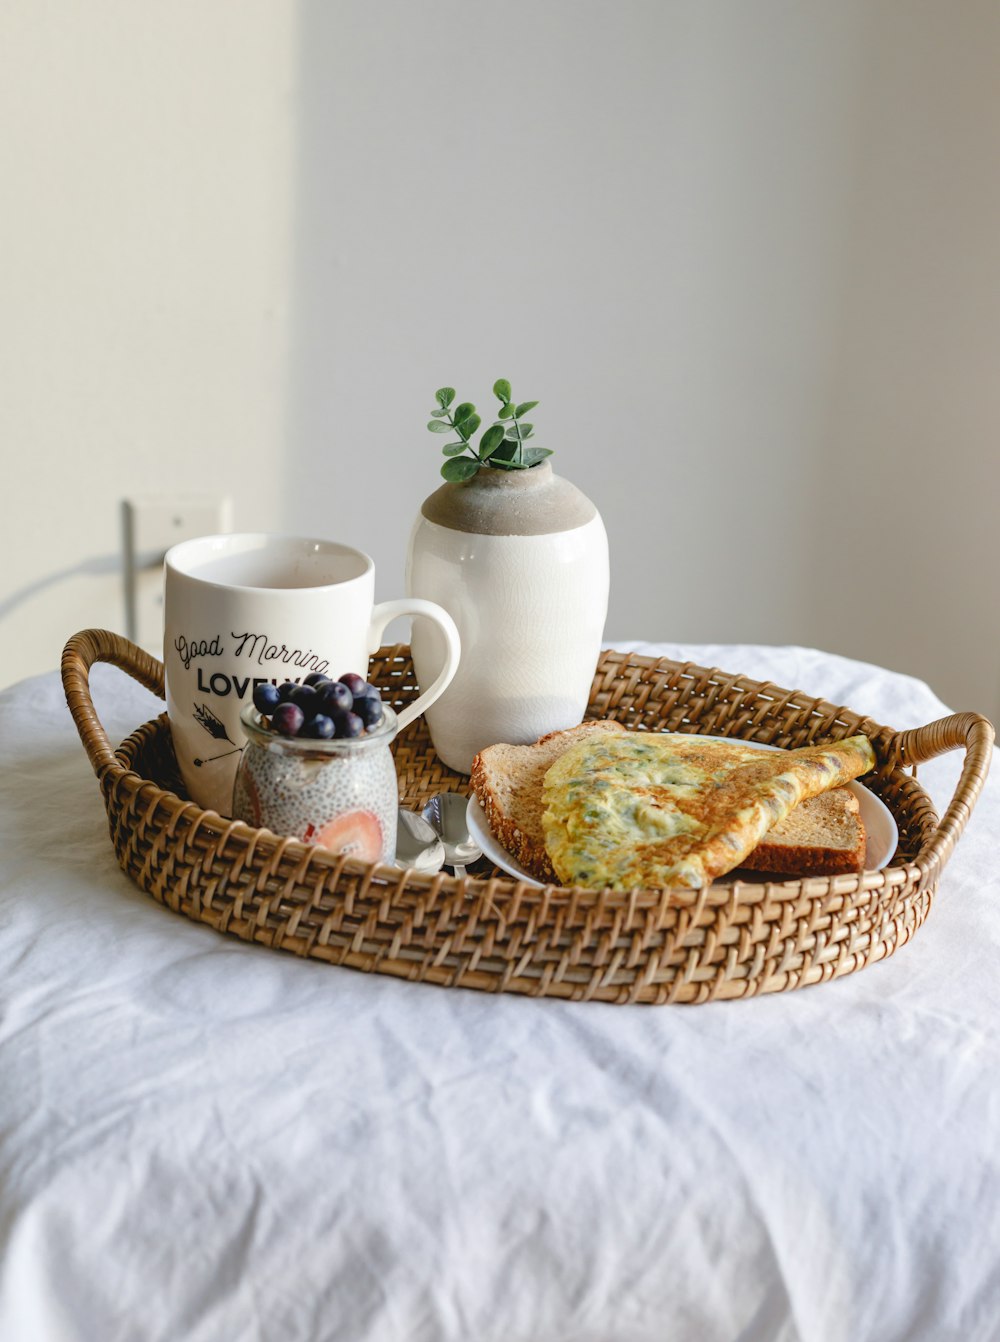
[150,525]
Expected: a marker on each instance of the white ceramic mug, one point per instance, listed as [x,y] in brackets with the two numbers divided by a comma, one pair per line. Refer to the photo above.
[243,609]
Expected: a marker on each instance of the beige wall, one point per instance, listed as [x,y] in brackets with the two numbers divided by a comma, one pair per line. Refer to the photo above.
[913,433]
[146,159]
[746,255]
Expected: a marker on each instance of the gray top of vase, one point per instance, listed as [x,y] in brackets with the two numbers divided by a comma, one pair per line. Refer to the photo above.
[535,502]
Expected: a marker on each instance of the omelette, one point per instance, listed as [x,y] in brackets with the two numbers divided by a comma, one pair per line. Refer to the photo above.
[649,809]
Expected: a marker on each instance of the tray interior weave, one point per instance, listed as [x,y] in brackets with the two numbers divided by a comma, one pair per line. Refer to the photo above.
[643,696]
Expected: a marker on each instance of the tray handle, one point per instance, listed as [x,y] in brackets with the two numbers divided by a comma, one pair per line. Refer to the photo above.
[79,655]
[975,733]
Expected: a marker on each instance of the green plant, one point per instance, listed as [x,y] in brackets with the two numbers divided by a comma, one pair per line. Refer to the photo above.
[503,446]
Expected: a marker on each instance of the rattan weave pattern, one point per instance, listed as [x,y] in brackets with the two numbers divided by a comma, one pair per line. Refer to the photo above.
[489,932]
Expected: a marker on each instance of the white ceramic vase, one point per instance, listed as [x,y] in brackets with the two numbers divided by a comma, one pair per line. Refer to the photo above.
[519,559]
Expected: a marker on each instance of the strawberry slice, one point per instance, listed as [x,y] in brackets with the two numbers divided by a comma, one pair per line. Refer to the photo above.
[356,833]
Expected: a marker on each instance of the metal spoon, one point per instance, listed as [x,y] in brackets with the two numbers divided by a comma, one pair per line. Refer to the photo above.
[417,843]
[446,814]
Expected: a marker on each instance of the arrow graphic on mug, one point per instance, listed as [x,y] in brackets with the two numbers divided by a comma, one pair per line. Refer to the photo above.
[204,716]
[235,751]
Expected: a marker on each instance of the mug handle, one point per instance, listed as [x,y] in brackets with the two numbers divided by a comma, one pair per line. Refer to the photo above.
[388,610]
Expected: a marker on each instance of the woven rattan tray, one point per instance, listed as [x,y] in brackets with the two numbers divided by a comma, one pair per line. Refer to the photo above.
[493,933]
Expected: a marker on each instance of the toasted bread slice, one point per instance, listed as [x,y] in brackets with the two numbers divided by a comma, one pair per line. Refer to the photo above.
[822,836]
[507,781]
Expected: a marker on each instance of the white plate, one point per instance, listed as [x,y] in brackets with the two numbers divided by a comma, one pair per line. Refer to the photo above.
[880,827]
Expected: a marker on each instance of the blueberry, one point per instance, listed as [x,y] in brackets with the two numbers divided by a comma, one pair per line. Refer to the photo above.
[321,728]
[315,678]
[287,719]
[307,699]
[369,709]
[334,699]
[350,725]
[354,682]
[285,691]
[266,697]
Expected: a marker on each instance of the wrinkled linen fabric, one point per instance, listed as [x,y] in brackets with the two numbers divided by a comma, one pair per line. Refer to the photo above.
[209,1141]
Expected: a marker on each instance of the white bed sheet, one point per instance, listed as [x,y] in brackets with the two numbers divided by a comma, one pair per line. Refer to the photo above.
[204,1140]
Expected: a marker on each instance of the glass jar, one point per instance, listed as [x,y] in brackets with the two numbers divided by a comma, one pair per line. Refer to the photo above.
[342,794]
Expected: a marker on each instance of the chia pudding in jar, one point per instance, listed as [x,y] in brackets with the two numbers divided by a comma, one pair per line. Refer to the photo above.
[340,793]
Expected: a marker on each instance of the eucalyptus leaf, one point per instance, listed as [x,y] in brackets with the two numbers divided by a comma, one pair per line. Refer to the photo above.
[527,430]
[468,426]
[501,390]
[438,414]
[445,396]
[506,411]
[439,426]
[453,449]
[464,411]
[460,468]
[490,441]
[524,407]
[504,454]
[533,455]
[513,433]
